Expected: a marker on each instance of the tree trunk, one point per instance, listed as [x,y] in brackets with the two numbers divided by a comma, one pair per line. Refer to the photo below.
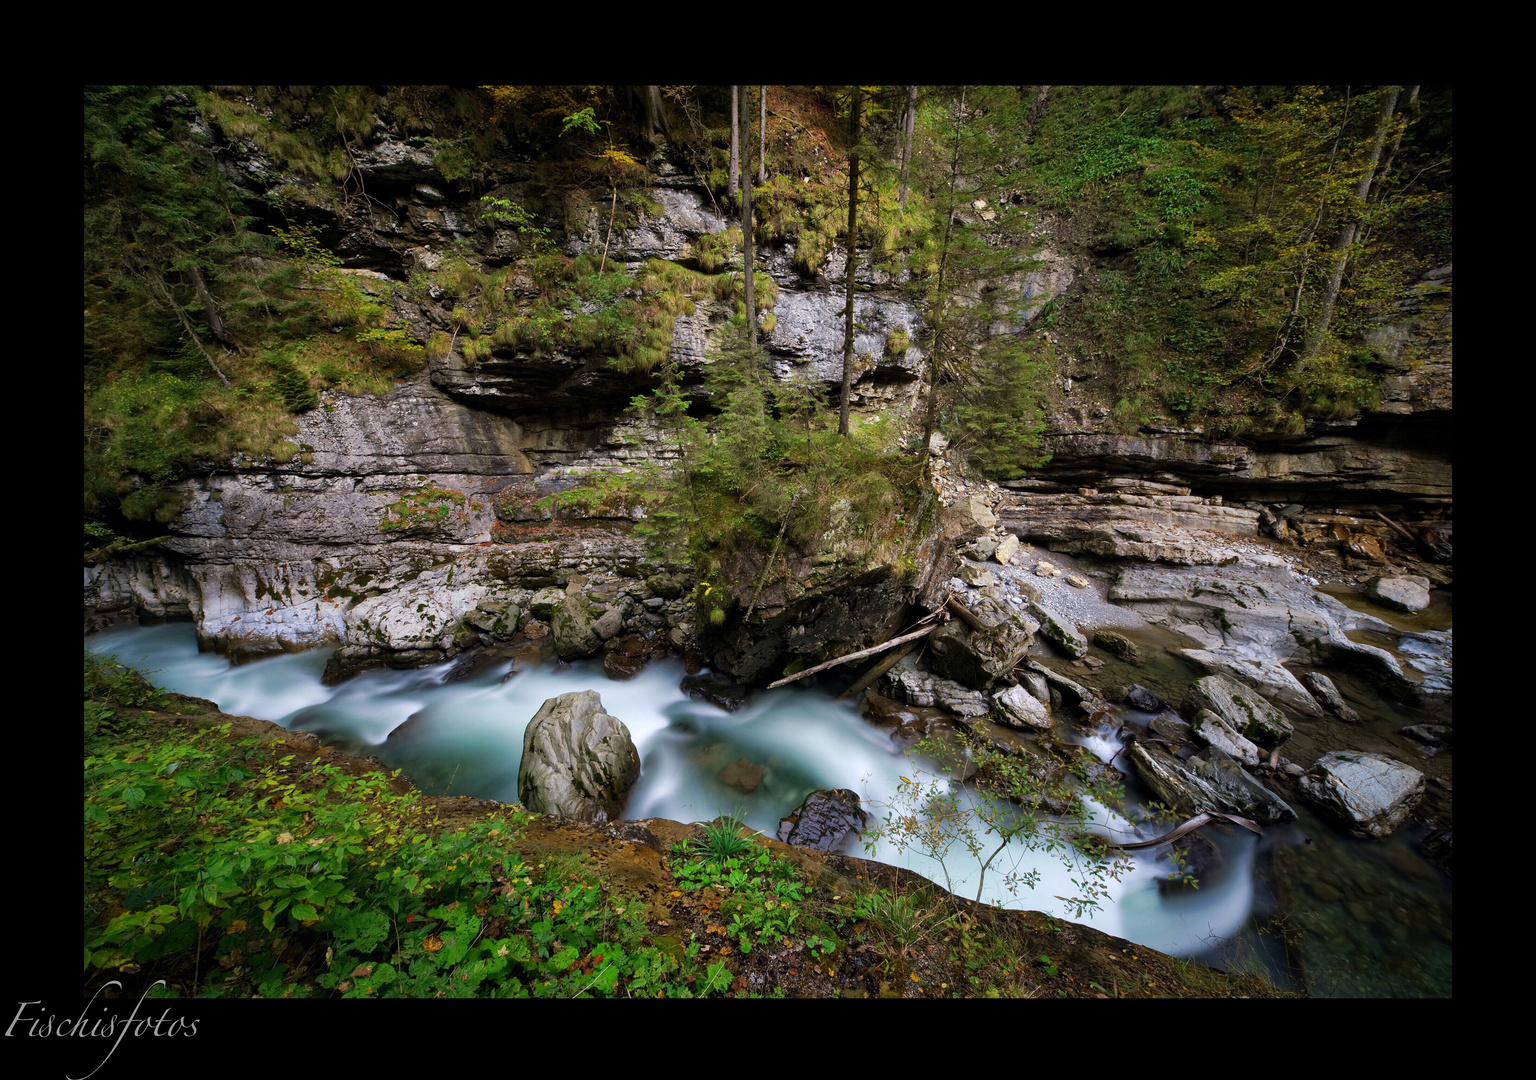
[730,184]
[211,310]
[931,413]
[762,137]
[852,260]
[748,254]
[655,115]
[1346,235]
[907,121]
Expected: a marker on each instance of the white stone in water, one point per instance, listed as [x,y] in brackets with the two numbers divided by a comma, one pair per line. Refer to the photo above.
[1371,792]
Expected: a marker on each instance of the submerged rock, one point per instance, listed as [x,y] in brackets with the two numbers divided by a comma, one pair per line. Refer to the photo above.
[824,820]
[715,689]
[742,775]
[1328,696]
[1139,697]
[578,761]
[1117,645]
[1371,793]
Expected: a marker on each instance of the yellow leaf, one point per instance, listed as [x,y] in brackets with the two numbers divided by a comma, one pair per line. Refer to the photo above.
[916,979]
[433,944]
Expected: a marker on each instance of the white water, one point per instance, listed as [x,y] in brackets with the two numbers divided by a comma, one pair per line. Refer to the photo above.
[466,738]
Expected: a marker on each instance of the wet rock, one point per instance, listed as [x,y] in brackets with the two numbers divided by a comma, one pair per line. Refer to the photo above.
[715,689]
[909,683]
[1140,698]
[1218,733]
[1171,727]
[1236,789]
[1059,630]
[1266,676]
[824,821]
[609,623]
[1017,707]
[1431,735]
[1198,858]
[1036,686]
[1117,645]
[1328,696]
[1371,793]
[578,761]
[1408,593]
[1208,781]
[1364,546]
[1242,708]
[467,637]
[1070,692]
[620,666]
[742,775]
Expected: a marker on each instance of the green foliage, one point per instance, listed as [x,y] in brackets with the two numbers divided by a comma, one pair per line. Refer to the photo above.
[1013,802]
[428,507]
[722,840]
[762,894]
[231,869]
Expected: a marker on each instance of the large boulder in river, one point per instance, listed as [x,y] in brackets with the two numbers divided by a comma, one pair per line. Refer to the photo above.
[824,820]
[1371,793]
[578,762]
[977,657]
[1241,707]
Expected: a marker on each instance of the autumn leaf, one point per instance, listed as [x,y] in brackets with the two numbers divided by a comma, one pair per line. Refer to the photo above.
[433,944]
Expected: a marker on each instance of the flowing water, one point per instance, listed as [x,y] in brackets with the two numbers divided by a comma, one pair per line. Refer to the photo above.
[462,734]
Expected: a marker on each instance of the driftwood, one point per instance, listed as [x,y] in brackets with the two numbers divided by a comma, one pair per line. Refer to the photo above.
[877,669]
[1190,826]
[1404,533]
[871,651]
[963,613]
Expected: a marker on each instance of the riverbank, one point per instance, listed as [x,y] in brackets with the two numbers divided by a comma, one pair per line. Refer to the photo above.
[493,901]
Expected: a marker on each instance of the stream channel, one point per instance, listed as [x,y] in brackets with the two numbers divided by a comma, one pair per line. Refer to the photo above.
[1316,909]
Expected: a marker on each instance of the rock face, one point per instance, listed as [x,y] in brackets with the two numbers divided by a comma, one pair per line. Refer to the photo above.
[578,762]
[824,821]
[1371,793]
[1242,708]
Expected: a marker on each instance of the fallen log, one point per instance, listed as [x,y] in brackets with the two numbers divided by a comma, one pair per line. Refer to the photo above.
[1188,827]
[963,613]
[892,643]
[1404,533]
[877,669]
